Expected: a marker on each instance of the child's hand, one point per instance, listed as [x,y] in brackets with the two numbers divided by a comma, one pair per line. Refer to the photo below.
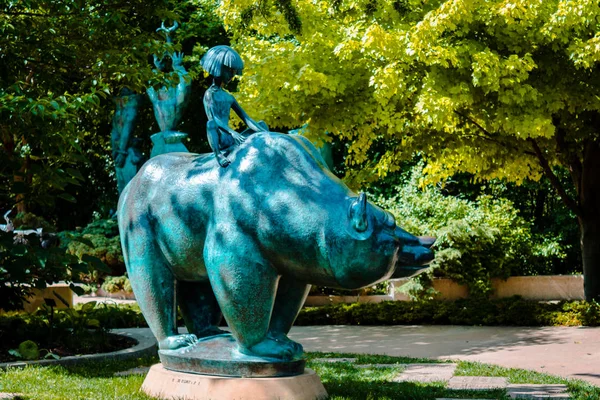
[239,139]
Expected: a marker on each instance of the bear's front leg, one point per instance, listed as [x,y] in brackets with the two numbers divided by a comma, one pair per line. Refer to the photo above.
[245,285]
[290,298]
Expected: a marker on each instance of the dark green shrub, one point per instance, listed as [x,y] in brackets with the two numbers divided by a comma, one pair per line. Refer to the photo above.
[114,284]
[83,329]
[31,221]
[381,288]
[477,240]
[24,267]
[99,239]
[513,311]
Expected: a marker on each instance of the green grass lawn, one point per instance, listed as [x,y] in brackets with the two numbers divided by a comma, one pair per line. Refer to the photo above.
[342,380]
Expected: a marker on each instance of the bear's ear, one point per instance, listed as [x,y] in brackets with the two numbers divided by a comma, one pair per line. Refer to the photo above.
[358,213]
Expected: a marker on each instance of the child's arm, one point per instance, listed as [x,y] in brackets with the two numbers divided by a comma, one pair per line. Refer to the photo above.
[252,124]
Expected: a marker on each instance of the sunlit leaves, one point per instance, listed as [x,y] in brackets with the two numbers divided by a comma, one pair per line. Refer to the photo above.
[465,82]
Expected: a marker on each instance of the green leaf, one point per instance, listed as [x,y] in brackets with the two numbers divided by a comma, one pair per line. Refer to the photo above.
[78,290]
[75,174]
[93,323]
[81,239]
[87,307]
[96,263]
[29,350]
[15,353]
[52,355]
[67,197]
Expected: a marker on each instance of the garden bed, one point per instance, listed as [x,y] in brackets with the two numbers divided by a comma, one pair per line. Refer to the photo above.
[75,346]
[52,333]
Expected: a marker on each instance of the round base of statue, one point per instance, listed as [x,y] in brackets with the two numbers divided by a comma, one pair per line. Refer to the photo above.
[165,384]
[219,355]
[168,142]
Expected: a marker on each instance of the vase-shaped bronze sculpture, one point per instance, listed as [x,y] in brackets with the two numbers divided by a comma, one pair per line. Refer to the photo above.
[169,103]
[125,149]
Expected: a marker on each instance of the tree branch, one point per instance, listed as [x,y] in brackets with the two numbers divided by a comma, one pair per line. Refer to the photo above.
[33,14]
[489,136]
[568,200]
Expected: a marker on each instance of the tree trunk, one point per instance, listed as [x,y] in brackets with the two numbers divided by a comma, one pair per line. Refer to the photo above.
[590,251]
[23,176]
[589,220]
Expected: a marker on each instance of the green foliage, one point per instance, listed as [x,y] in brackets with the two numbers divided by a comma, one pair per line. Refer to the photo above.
[467,82]
[100,239]
[31,221]
[476,240]
[513,311]
[380,288]
[62,64]
[105,227]
[537,203]
[27,350]
[27,266]
[114,284]
[492,88]
[74,330]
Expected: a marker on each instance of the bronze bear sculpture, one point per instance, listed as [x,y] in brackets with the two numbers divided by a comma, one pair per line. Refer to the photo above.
[247,241]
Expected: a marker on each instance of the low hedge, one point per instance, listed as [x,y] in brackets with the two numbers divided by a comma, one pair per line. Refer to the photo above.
[513,311]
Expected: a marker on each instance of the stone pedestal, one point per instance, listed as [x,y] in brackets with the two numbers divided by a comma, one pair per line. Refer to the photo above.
[166,384]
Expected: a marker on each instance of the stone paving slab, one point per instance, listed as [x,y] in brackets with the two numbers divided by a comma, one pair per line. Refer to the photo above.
[381,366]
[476,383]
[133,371]
[10,396]
[525,391]
[334,360]
[426,373]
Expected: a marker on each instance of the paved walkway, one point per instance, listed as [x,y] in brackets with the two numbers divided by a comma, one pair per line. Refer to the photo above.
[107,300]
[572,352]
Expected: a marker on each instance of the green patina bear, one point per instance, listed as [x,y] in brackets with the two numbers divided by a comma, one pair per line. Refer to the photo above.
[249,240]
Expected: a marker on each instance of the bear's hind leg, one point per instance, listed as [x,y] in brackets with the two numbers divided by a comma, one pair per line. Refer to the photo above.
[290,298]
[199,308]
[153,284]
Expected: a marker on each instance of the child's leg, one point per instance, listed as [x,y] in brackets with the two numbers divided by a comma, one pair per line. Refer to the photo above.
[215,140]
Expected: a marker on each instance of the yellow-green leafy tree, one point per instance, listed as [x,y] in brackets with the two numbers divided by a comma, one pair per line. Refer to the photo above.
[502,89]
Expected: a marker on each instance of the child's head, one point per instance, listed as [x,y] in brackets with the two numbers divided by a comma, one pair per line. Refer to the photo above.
[223,63]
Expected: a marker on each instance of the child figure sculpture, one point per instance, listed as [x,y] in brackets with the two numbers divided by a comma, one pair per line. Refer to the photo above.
[223,63]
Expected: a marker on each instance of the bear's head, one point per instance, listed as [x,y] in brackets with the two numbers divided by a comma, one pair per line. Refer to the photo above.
[367,246]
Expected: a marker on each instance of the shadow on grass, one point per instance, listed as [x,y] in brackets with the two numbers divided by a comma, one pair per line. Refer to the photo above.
[360,390]
[107,369]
